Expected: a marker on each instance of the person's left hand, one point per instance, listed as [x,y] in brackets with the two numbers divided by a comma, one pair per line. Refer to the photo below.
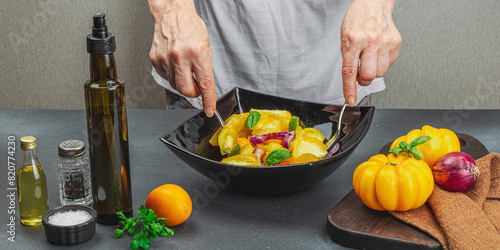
[370,44]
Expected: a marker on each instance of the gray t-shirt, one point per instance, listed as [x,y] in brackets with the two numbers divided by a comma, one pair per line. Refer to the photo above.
[289,48]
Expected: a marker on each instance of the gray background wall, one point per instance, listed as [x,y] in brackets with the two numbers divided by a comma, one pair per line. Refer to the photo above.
[450,56]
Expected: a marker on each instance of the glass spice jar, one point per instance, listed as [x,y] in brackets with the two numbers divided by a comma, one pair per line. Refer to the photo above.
[73,171]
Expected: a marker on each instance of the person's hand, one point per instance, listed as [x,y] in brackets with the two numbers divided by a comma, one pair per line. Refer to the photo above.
[370,43]
[181,47]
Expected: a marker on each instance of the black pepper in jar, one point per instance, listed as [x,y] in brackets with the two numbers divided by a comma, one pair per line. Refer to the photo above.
[74,188]
[74,173]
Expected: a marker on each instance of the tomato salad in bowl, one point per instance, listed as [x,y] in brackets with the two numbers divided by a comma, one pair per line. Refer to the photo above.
[267,138]
[193,140]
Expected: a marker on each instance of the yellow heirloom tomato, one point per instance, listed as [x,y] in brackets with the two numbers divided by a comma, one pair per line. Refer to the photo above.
[235,121]
[243,160]
[227,140]
[267,124]
[442,141]
[312,132]
[271,121]
[305,144]
[393,182]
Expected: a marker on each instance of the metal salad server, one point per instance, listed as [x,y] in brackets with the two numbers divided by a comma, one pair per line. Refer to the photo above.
[330,144]
[219,118]
[217,115]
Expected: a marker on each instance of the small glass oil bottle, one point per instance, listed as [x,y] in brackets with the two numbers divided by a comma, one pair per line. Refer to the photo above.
[31,185]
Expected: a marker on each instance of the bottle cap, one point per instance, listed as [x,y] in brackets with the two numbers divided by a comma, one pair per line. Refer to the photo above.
[28,142]
[100,41]
[71,149]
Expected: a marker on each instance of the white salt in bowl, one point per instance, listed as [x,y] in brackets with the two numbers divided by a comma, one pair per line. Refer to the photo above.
[69,224]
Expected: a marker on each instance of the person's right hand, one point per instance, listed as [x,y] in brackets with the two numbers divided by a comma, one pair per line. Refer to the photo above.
[181,47]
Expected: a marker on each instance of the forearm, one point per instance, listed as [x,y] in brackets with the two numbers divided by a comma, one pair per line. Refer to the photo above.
[388,4]
[159,7]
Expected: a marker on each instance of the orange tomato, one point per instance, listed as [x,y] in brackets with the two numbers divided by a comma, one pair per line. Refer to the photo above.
[303,158]
[172,202]
[243,160]
[278,141]
[287,161]
[242,141]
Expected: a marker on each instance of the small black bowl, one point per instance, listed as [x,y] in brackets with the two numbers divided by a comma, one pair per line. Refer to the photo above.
[69,235]
[189,142]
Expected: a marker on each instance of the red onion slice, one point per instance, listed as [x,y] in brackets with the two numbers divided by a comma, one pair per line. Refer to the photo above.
[259,153]
[258,139]
[289,137]
[278,135]
[334,150]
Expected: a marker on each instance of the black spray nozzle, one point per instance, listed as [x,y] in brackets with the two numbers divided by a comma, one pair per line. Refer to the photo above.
[100,30]
[100,41]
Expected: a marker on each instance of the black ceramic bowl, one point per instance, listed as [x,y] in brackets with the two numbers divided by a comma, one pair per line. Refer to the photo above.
[189,142]
[69,235]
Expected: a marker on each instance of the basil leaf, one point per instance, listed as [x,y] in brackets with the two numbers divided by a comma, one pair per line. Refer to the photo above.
[252,119]
[416,154]
[420,140]
[235,151]
[395,151]
[277,156]
[294,122]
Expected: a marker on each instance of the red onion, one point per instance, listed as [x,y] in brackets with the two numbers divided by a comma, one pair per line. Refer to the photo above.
[289,137]
[455,172]
[333,151]
[259,152]
[258,139]
[278,135]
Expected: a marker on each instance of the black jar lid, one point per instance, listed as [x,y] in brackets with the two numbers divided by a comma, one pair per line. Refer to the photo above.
[71,149]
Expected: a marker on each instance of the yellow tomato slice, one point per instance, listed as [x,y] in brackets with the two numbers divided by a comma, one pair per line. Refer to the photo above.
[306,144]
[266,125]
[227,140]
[312,132]
[247,149]
[243,160]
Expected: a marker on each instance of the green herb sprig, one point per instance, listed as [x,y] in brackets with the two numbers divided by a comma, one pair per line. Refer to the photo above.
[411,149]
[152,227]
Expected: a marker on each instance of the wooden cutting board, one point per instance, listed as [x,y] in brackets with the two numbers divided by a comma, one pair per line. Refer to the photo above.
[352,224]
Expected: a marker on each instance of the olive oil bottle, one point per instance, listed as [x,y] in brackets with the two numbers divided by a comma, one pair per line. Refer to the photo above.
[107,127]
[31,185]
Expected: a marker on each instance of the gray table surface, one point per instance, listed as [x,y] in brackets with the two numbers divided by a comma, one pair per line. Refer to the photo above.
[231,219]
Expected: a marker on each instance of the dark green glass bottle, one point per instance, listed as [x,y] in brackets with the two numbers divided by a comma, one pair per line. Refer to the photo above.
[107,127]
